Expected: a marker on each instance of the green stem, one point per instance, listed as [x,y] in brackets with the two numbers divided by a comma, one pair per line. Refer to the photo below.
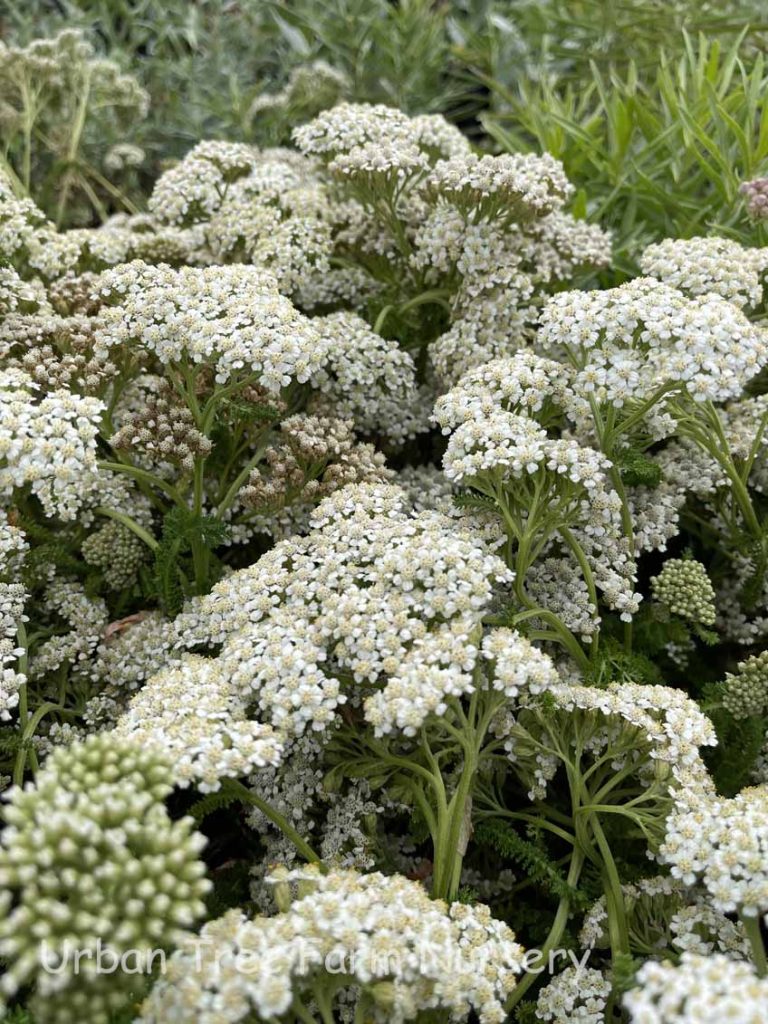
[75,135]
[27,124]
[438,296]
[614,896]
[26,736]
[721,453]
[240,479]
[555,932]
[22,640]
[143,475]
[129,523]
[323,1002]
[246,796]
[107,185]
[381,318]
[302,1012]
[448,843]
[200,551]
[752,928]
[529,819]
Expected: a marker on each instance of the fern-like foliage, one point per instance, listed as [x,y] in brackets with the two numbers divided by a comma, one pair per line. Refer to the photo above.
[739,744]
[532,857]
[10,741]
[467,894]
[638,470]
[623,970]
[753,588]
[615,665]
[476,502]
[182,528]
[525,1013]
[212,802]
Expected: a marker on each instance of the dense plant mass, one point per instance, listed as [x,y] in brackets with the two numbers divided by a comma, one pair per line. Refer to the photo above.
[384,531]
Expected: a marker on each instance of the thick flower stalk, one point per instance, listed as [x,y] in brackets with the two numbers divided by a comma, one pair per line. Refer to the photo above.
[553,495]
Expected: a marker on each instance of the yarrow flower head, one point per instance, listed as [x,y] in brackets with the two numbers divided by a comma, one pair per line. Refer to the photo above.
[89,855]
[370,379]
[310,458]
[310,88]
[232,318]
[578,995]
[629,341]
[375,147]
[518,668]
[193,190]
[523,185]
[117,551]
[375,594]
[724,844]
[191,711]
[704,266]
[349,126]
[524,383]
[47,442]
[698,990]
[403,953]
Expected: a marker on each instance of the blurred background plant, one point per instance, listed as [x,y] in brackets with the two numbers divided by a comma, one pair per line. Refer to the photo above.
[59,101]
[654,153]
[226,69]
[654,106]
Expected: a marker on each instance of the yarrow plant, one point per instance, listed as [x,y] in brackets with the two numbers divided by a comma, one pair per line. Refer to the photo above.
[401,953]
[350,525]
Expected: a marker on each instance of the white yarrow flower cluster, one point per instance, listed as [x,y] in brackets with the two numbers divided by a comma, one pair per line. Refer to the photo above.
[518,667]
[232,318]
[392,599]
[578,995]
[87,618]
[724,844]
[517,181]
[370,379]
[402,952]
[629,341]
[47,442]
[194,189]
[192,713]
[10,684]
[698,990]
[524,383]
[703,266]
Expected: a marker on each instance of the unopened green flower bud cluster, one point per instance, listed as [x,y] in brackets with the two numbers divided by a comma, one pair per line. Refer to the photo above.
[91,859]
[746,690]
[684,588]
[117,551]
